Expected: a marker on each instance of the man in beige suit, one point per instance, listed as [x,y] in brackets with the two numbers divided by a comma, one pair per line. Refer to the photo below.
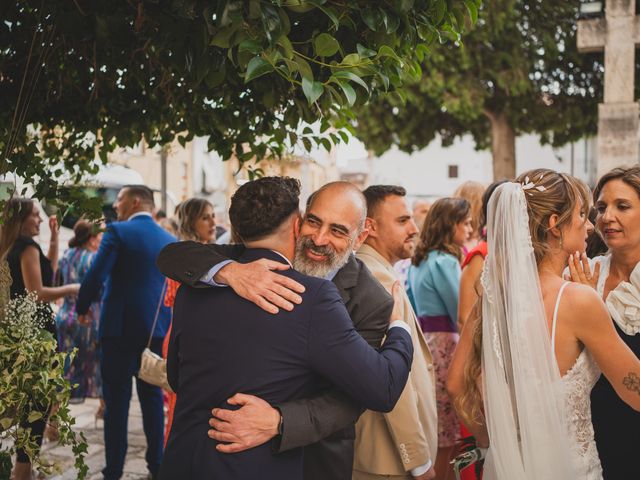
[401,444]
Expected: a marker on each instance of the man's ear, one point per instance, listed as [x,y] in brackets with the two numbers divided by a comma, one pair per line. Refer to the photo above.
[370,226]
[297,223]
[361,238]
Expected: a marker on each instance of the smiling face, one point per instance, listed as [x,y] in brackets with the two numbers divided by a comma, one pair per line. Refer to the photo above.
[618,219]
[31,224]
[329,232]
[125,204]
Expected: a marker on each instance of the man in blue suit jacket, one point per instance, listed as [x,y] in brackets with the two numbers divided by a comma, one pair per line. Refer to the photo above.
[125,267]
[222,344]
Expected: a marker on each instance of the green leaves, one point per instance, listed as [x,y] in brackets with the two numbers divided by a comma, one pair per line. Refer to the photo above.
[32,373]
[188,68]
[325,45]
[312,89]
[256,68]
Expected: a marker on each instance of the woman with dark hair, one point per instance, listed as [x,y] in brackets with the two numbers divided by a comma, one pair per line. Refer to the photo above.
[433,286]
[31,271]
[84,371]
[196,222]
[616,424]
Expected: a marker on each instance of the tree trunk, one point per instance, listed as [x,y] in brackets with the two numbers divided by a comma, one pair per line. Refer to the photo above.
[503,146]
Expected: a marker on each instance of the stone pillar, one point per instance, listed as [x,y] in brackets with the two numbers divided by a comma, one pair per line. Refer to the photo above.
[617,135]
[618,33]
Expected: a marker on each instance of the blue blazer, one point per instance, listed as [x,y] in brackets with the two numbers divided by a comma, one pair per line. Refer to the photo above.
[222,344]
[126,266]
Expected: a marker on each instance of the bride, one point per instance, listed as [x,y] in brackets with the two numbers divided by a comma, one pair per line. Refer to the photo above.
[538,343]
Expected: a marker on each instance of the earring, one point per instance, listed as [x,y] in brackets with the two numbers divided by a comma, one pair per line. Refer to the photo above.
[561,245]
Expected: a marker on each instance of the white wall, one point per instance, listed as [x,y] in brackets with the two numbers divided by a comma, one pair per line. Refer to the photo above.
[426,173]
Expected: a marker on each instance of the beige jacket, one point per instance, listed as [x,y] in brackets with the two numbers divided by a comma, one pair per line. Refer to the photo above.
[407,437]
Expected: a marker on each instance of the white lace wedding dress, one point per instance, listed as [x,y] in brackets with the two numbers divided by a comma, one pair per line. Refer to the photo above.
[578,382]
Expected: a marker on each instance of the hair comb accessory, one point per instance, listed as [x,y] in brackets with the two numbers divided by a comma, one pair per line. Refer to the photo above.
[528,184]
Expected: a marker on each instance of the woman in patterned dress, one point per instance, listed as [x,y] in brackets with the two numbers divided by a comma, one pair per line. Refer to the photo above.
[434,282]
[84,371]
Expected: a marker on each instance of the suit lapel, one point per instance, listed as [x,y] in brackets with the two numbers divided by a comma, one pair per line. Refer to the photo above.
[347,278]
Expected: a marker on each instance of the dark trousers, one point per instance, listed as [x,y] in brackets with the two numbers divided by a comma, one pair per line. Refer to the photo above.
[120,362]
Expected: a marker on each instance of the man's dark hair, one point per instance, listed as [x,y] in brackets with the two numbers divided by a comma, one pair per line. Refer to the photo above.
[144,193]
[375,195]
[259,207]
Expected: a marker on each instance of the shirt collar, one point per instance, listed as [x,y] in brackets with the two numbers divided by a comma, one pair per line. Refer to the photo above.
[139,214]
[285,258]
[332,274]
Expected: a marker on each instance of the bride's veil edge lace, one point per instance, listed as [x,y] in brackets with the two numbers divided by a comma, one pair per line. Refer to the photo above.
[522,390]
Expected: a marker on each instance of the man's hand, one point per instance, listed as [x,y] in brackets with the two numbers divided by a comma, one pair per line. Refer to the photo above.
[84,320]
[428,475]
[255,423]
[258,283]
[398,302]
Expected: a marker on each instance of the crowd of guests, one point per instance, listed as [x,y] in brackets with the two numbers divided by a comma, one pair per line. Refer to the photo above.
[232,321]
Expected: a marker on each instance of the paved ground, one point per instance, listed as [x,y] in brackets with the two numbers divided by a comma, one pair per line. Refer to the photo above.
[135,467]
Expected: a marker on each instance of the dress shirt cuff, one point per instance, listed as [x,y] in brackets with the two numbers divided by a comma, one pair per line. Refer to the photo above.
[208,277]
[401,324]
[416,472]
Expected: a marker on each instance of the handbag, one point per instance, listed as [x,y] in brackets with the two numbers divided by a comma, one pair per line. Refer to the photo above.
[153,368]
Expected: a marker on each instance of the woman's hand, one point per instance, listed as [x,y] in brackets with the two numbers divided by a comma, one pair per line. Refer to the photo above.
[72,289]
[53,226]
[580,270]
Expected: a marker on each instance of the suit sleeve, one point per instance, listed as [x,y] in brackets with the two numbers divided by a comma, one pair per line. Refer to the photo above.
[309,420]
[405,427]
[404,422]
[186,262]
[337,352]
[100,269]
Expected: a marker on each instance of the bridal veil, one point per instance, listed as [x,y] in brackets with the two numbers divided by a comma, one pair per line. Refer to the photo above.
[522,390]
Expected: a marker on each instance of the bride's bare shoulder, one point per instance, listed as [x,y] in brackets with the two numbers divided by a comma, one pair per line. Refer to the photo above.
[583,303]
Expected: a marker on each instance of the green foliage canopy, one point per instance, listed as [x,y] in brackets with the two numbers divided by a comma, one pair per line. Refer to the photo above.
[82,76]
[520,60]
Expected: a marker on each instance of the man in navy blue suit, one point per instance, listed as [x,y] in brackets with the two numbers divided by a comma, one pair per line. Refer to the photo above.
[222,344]
[125,267]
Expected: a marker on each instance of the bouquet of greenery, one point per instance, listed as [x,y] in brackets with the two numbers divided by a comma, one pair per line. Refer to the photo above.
[32,382]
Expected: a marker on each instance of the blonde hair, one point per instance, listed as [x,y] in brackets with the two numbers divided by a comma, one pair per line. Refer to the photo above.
[548,193]
[189,212]
[472,192]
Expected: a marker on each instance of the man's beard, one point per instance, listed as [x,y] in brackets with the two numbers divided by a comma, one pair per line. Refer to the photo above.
[334,261]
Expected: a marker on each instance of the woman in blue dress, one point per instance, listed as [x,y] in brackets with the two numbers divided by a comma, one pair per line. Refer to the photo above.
[84,371]
[434,284]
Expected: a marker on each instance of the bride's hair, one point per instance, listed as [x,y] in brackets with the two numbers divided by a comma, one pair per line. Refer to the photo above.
[547,193]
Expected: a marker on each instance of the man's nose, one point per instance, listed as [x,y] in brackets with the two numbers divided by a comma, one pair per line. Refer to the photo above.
[413,228]
[321,238]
